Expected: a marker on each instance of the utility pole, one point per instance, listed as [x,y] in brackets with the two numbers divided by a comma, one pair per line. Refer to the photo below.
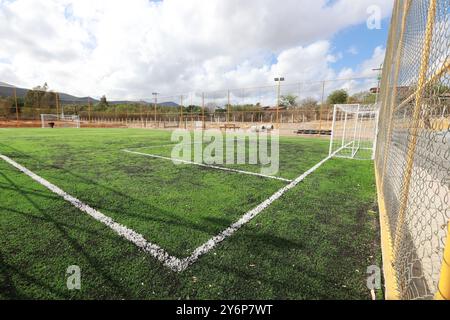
[57,103]
[279,80]
[203,111]
[321,108]
[377,94]
[181,111]
[17,108]
[228,107]
[89,109]
[155,95]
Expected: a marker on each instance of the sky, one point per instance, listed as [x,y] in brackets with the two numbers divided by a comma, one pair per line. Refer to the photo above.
[129,49]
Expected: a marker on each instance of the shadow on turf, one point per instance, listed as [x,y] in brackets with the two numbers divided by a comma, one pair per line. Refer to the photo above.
[94,263]
[304,279]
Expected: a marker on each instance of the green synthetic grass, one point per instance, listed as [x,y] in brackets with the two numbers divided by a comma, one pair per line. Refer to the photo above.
[314,243]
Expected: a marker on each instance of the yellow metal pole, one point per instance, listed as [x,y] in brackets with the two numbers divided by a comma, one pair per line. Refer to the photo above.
[228,108]
[444,282]
[203,111]
[57,104]
[89,109]
[278,103]
[399,54]
[156,103]
[17,108]
[321,107]
[415,124]
[389,272]
[181,111]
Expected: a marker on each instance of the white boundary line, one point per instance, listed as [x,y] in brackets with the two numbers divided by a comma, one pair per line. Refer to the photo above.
[174,263]
[207,165]
[130,235]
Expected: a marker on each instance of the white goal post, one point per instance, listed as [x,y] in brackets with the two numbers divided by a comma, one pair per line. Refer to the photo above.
[60,121]
[354,131]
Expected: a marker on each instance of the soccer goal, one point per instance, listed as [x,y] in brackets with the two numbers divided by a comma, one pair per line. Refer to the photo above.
[60,121]
[354,131]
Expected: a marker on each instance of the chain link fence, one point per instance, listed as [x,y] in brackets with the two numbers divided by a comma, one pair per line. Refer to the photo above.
[413,152]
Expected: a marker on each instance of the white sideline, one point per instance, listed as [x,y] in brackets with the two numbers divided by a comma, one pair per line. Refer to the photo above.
[207,165]
[174,263]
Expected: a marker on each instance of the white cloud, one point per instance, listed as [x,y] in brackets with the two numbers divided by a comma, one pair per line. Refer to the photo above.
[128,49]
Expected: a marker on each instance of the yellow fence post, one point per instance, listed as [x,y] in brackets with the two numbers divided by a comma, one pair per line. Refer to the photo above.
[89,109]
[415,124]
[181,112]
[444,282]
[398,57]
[17,108]
[203,111]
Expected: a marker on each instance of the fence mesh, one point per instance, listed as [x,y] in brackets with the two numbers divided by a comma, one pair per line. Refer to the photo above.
[413,152]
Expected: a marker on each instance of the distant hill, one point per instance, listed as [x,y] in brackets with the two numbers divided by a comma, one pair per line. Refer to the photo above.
[7,90]
[168,104]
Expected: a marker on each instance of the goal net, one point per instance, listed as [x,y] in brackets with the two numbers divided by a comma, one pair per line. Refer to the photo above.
[60,121]
[354,131]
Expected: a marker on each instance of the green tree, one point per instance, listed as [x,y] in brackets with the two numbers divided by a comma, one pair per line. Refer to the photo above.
[364,97]
[309,103]
[103,104]
[39,97]
[288,101]
[338,97]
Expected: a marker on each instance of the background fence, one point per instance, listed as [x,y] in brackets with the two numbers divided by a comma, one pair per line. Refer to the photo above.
[413,157]
[301,106]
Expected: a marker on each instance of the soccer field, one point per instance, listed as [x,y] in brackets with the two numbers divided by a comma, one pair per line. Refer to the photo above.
[222,232]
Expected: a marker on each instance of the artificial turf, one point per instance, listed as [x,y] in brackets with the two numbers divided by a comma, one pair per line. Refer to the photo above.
[314,243]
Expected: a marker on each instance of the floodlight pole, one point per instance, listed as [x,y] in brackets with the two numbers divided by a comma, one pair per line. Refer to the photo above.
[279,80]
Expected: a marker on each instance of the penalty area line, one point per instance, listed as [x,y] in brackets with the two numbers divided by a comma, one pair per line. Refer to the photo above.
[207,165]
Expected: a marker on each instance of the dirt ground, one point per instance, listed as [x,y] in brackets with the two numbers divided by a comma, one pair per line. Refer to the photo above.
[286,129]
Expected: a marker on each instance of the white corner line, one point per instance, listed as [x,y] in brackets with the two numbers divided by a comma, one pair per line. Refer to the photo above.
[213,242]
[207,165]
[157,252]
[173,263]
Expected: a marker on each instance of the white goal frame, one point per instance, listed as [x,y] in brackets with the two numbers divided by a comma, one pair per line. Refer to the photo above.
[60,121]
[354,131]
